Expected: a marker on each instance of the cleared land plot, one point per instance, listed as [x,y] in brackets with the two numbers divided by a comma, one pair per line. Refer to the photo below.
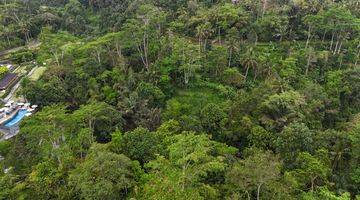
[37,73]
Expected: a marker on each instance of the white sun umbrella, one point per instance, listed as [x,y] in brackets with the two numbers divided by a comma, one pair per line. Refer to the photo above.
[34,106]
[20,104]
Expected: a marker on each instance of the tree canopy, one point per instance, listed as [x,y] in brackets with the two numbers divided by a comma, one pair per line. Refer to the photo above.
[184,99]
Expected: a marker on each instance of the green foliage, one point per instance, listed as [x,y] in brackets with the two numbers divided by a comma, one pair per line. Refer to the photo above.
[150,92]
[45,181]
[186,107]
[311,170]
[100,118]
[324,193]
[232,77]
[212,119]
[44,93]
[22,56]
[192,160]
[9,188]
[3,71]
[282,109]
[241,99]
[4,147]
[257,171]
[294,139]
[139,144]
[350,94]
[103,175]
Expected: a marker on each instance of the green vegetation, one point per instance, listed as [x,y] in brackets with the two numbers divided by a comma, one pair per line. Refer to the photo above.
[3,71]
[38,72]
[185,99]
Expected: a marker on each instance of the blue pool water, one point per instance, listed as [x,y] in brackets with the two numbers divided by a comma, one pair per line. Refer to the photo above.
[16,119]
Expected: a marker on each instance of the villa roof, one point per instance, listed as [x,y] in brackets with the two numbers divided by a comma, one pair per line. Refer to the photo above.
[7,80]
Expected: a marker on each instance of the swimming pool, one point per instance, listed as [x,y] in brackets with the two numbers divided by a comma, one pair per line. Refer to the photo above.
[16,119]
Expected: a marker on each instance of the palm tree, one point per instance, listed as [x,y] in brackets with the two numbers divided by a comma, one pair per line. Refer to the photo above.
[250,61]
[204,31]
[232,43]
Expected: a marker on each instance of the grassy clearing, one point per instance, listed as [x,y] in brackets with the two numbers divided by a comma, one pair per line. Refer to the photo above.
[37,73]
[20,70]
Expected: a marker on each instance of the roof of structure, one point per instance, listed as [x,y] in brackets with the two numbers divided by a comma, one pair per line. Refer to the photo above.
[8,78]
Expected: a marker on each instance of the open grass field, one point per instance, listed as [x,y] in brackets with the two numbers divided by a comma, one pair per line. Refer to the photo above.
[37,73]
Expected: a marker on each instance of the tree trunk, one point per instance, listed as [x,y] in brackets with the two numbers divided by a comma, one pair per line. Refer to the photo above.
[255,74]
[145,46]
[337,44]
[230,55]
[312,184]
[141,55]
[308,63]
[8,40]
[258,191]
[332,41]
[308,37]
[219,36]
[140,52]
[248,195]
[98,57]
[357,57]
[200,46]
[118,50]
[341,62]
[339,49]
[205,42]
[183,182]
[56,58]
[91,126]
[263,8]
[256,38]
[246,72]
[323,37]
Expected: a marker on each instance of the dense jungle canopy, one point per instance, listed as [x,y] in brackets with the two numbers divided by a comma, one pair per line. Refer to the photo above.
[185,99]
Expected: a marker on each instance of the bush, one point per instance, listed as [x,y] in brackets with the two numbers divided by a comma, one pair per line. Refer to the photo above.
[3,71]
[22,56]
[232,77]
